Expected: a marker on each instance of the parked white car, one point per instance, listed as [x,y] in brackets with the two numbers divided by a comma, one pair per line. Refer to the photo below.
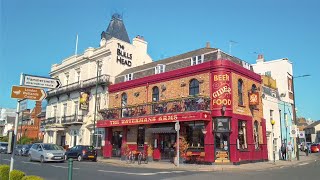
[46,152]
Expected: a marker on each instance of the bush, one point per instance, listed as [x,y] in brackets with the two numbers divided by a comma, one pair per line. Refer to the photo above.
[32,178]
[4,172]
[16,175]
[4,138]
[25,140]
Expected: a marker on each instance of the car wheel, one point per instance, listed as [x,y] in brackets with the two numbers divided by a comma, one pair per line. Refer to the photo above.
[30,158]
[94,160]
[42,159]
[79,158]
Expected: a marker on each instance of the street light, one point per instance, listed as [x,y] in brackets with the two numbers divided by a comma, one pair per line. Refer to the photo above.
[294,113]
[95,106]
[274,151]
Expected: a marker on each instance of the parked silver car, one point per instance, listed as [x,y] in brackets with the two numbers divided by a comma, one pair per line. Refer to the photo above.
[46,152]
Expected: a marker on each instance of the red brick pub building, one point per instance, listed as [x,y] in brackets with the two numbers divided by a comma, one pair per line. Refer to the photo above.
[214,97]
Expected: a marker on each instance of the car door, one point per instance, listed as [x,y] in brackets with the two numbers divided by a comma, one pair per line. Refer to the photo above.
[38,152]
[72,152]
[32,150]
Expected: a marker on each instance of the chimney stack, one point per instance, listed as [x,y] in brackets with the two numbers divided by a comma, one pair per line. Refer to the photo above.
[260,58]
[208,45]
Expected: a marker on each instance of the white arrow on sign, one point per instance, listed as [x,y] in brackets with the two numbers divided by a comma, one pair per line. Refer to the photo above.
[43,82]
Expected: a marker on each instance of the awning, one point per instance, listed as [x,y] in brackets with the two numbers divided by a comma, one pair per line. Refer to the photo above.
[161,130]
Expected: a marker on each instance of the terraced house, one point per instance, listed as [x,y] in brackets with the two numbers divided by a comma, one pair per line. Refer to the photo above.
[213,96]
[85,79]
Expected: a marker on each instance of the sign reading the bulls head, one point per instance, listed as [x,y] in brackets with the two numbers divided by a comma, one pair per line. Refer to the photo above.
[221,90]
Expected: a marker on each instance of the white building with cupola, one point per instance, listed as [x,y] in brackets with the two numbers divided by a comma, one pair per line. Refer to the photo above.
[85,78]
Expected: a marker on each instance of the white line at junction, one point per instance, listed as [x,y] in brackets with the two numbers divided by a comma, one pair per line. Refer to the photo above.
[64,167]
[141,174]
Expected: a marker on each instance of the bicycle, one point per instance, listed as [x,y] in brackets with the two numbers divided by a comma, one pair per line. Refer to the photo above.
[142,157]
[130,159]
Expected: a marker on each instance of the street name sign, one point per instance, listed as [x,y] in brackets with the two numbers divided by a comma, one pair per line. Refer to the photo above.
[23,92]
[42,82]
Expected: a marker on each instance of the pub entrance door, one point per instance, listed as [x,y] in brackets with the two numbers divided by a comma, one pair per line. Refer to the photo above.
[222,139]
[167,142]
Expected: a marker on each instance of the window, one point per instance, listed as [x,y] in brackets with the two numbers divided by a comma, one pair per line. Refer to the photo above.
[76,108]
[99,136]
[67,79]
[290,84]
[78,75]
[240,92]
[124,110]
[268,73]
[99,69]
[197,60]
[195,136]
[271,115]
[64,112]
[155,94]
[98,102]
[54,111]
[242,135]
[141,136]
[128,77]
[253,88]
[160,68]
[256,134]
[194,87]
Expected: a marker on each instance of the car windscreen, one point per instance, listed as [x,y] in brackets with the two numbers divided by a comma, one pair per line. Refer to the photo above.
[4,145]
[19,146]
[27,146]
[50,147]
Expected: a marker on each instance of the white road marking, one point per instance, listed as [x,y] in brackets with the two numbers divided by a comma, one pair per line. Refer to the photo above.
[178,171]
[128,173]
[302,164]
[7,159]
[164,172]
[31,163]
[63,167]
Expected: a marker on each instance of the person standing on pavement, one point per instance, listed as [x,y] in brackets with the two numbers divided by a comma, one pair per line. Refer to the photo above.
[289,150]
[284,151]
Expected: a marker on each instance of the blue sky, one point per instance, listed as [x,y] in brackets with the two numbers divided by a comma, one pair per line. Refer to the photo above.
[36,34]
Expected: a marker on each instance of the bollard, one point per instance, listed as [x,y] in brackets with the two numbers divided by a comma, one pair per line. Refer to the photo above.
[70,168]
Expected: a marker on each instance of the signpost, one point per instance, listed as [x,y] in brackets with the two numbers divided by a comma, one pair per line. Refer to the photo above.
[22,92]
[42,82]
[27,90]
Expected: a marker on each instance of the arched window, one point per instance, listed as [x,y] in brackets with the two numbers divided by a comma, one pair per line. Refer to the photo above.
[124,110]
[253,88]
[194,87]
[256,134]
[155,94]
[240,92]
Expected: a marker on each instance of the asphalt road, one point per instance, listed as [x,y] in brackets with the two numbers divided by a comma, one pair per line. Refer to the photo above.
[97,171]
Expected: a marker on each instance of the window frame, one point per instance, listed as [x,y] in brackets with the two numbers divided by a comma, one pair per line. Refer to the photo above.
[128,77]
[243,146]
[194,86]
[256,135]
[195,60]
[240,92]
[160,68]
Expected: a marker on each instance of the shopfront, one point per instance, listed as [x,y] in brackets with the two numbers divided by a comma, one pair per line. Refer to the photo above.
[222,139]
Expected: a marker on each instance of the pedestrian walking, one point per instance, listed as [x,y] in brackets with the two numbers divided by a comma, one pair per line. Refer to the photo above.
[289,150]
[283,151]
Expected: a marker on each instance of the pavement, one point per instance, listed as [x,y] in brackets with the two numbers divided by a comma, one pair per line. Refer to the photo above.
[198,167]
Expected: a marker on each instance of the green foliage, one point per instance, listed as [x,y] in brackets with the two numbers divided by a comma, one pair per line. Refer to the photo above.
[32,178]
[16,175]
[25,140]
[4,172]
[4,139]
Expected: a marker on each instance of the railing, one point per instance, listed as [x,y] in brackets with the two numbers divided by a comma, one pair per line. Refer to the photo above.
[161,107]
[49,121]
[71,119]
[103,79]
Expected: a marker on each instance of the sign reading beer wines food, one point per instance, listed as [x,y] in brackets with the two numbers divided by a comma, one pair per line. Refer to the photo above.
[221,89]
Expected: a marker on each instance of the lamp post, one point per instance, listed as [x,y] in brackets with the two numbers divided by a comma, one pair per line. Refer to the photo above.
[273,149]
[95,106]
[294,113]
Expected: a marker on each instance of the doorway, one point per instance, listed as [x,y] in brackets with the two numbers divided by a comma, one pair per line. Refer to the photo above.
[167,142]
[116,143]
[222,147]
